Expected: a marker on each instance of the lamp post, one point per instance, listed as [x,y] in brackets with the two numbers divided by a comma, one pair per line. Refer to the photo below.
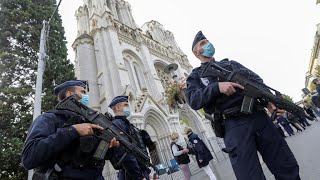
[41,67]
[170,69]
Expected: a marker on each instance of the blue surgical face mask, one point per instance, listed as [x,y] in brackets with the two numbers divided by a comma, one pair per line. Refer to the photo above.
[208,50]
[85,99]
[126,111]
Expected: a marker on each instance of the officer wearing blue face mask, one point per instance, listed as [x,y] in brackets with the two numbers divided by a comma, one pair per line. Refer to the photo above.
[244,134]
[60,145]
[132,169]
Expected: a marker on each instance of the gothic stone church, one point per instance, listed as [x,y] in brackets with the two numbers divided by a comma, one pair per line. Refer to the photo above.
[118,57]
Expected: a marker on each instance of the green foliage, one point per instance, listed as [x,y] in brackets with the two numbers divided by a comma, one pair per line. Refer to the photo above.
[174,94]
[171,91]
[307,100]
[312,87]
[287,97]
[20,27]
[184,121]
[201,111]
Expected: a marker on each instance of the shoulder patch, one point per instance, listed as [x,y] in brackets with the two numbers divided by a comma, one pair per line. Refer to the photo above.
[225,60]
[205,81]
[195,141]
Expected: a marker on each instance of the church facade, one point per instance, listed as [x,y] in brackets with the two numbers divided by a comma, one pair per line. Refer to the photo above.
[119,58]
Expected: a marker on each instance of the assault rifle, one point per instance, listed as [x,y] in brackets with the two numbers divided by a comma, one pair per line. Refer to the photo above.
[110,131]
[253,90]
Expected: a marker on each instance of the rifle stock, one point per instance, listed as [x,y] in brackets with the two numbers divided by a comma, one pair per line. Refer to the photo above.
[253,90]
[110,131]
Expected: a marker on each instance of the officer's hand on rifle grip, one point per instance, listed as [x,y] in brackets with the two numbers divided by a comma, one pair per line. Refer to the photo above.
[228,88]
[86,129]
[114,143]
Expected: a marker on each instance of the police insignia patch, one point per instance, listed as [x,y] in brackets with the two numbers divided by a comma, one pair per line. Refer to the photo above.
[205,81]
[195,141]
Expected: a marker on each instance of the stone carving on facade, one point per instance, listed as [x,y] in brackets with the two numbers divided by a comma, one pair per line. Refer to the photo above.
[139,102]
[164,77]
[93,23]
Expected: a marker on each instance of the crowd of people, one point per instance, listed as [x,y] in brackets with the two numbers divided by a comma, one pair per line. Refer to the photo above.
[288,124]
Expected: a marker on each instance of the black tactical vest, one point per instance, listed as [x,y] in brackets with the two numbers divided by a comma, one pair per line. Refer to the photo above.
[183,158]
[79,153]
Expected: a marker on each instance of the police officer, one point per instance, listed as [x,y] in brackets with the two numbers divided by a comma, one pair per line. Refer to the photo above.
[56,139]
[201,151]
[121,109]
[244,134]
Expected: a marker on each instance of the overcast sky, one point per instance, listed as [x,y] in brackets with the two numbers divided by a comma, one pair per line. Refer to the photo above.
[274,38]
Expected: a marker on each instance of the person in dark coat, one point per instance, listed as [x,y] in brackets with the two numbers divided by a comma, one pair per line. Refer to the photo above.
[121,109]
[53,145]
[201,151]
[244,133]
[303,121]
[285,124]
[277,126]
[310,112]
[294,121]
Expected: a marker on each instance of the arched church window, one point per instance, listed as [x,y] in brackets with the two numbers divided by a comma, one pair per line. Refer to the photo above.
[130,74]
[119,12]
[140,77]
[164,77]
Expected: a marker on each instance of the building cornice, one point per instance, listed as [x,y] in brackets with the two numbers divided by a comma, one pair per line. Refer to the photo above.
[83,39]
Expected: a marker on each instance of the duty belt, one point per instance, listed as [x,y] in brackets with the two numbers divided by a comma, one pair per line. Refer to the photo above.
[232,112]
[236,111]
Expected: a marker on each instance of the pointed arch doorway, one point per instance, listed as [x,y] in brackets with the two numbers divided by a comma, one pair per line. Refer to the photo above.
[159,131]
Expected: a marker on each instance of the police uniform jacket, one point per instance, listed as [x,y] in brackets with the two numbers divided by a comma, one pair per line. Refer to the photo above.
[204,92]
[283,121]
[200,150]
[48,139]
[133,167]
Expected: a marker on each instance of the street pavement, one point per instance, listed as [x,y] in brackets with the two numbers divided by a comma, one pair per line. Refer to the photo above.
[305,146]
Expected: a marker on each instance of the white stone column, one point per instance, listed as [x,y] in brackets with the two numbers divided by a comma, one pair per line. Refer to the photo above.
[109,59]
[87,67]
